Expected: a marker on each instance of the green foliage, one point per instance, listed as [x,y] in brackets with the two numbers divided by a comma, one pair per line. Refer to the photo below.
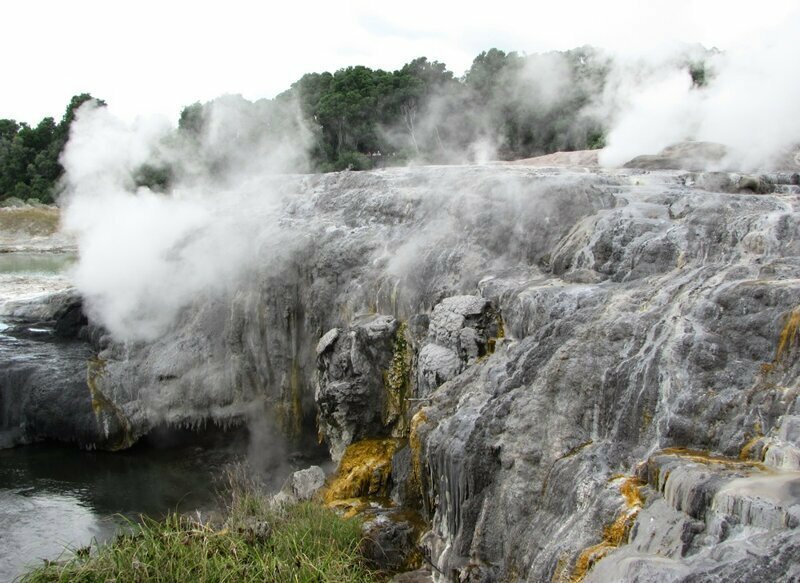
[699,73]
[29,156]
[596,139]
[423,112]
[355,118]
[352,160]
[72,108]
[191,121]
[258,542]
[157,178]
[359,118]
[488,69]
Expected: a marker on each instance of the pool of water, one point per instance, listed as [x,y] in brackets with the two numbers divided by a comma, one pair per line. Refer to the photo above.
[36,263]
[25,275]
[57,497]
[54,498]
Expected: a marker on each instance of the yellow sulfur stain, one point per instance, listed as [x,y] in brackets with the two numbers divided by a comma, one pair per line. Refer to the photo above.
[647,418]
[747,449]
[705,457]
[415,444]
[105,409]
[501,333]
[616,533]
[396,384]
[787,340]
[788,337]
[364,471]
[350,507]
[289,410]
[562,573]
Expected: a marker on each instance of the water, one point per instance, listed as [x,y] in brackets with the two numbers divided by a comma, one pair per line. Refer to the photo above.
[25,275]
[54,497]
[25,262]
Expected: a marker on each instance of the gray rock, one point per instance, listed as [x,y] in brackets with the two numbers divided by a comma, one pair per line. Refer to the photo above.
[45,371]
[346,245]
[682,156]
[302,485]
[352,396]
[461,330]
[667,351]
[642,311]
[436,365]
[388,543]
[418,576]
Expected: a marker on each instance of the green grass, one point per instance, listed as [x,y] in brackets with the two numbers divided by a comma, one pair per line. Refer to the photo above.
[304,542]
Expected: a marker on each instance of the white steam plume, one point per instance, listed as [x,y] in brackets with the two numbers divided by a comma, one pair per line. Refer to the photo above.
[751,103]
[143,255]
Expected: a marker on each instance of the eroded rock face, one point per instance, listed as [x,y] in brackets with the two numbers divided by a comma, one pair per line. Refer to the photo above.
[353,396]
[704,156]
[641,311]
[710,517]
[664,322]
[349,244]
[44,393]
[461,330]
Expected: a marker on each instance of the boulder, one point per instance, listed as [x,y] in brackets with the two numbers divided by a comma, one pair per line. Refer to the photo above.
[352,395]
[461,330]
[389,543]
[302,485]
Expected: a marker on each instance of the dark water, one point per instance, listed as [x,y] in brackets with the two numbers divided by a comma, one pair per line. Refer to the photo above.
[52,497]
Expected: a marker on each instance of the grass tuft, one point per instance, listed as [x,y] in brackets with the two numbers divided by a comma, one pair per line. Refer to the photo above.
[257,541]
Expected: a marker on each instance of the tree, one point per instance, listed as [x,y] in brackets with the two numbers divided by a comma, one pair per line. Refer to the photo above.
[29,156]
[73,106]
[415,83]
[192,120]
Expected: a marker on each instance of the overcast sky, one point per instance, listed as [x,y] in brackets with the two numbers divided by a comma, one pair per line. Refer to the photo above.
[155,56]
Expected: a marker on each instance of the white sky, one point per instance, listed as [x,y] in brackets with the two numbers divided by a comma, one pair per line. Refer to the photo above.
[156,56]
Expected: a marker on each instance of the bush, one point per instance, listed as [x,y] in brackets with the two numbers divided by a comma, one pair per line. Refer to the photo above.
[257,541]
[353,161]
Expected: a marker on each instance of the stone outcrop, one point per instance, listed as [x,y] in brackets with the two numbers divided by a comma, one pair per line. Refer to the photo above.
[44,375]
[705,156]
[573,374]
[355,395]
[696,156]
[461,330]
[301,486]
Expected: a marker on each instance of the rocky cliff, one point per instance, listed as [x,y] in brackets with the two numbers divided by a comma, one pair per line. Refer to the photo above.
[582,374]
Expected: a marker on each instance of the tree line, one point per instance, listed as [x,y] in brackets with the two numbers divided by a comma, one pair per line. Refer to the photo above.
[509,105]
[517,106]
[29,155]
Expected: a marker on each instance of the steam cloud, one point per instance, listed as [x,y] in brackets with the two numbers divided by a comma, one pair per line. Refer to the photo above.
[751,104]
[145,255]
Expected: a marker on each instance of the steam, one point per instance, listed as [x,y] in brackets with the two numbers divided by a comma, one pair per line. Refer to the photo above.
[751,103]
[467,121]
[145,255]
[649,106]
[745,98]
